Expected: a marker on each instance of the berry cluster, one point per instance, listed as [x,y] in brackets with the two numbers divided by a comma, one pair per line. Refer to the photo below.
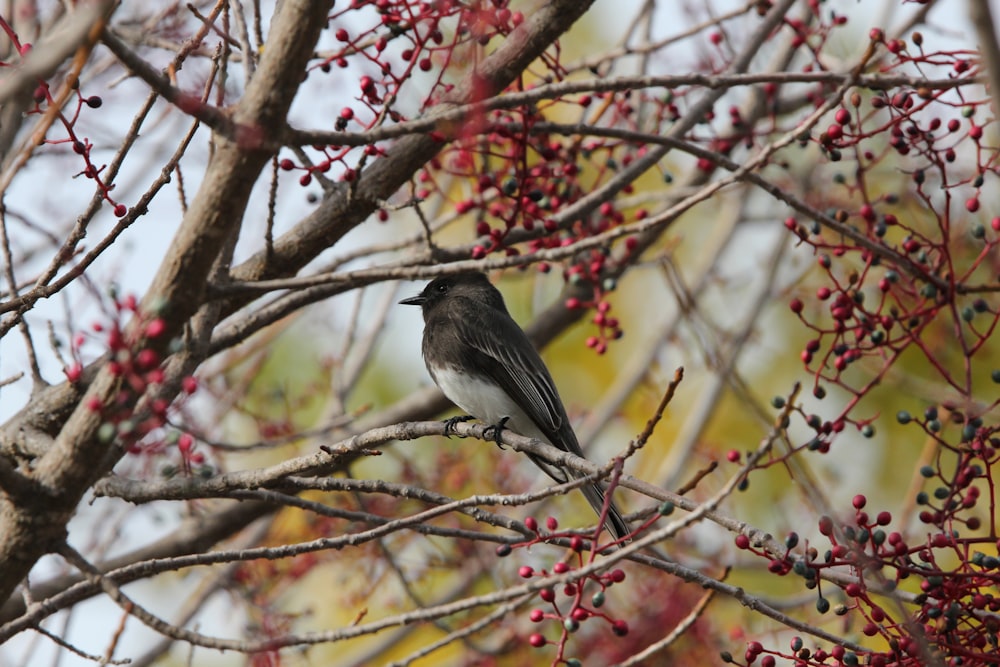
[944,579]
[583,599]
[900,272]
[131,340]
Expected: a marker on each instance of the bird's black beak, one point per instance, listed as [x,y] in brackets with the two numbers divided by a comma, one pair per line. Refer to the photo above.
[417,300]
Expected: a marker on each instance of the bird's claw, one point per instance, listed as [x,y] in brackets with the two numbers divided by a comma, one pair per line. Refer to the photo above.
[449,424]
[494,431]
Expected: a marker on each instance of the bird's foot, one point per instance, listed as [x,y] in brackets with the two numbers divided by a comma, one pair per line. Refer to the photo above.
[449,424]
[494,431]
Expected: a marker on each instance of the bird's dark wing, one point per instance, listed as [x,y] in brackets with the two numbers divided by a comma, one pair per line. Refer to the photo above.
[512,362]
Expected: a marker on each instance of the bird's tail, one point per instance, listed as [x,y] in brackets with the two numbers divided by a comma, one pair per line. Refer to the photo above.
[595,494]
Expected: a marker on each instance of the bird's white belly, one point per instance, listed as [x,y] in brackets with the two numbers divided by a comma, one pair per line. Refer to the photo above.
[485,401]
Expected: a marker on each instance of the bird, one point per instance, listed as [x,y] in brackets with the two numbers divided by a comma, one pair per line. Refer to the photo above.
[485,364]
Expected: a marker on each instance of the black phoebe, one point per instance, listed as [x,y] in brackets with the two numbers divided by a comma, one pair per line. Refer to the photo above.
[482,360]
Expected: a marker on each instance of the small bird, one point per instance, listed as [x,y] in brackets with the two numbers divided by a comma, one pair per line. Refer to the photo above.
[483,361]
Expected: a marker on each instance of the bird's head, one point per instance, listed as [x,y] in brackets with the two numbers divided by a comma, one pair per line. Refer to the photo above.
[474,286]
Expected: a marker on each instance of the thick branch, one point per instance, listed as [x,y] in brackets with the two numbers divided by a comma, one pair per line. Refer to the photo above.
[32,526]
[981,17]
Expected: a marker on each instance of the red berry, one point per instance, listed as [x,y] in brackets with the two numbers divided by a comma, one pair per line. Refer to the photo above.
[526,572]
[859,501]
[74,372]
[536,640]
[155,328]
[147,358]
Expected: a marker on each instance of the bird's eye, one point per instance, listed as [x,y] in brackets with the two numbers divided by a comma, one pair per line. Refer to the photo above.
[442,288]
